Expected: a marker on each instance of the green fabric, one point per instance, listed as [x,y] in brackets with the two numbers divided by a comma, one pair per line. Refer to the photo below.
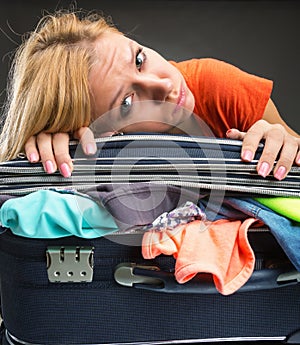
[52,214]
[286,206]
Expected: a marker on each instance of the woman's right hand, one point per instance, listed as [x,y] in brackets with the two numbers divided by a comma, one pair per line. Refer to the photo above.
[53,149]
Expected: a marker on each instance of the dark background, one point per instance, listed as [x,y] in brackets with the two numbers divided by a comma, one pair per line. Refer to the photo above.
[261,37]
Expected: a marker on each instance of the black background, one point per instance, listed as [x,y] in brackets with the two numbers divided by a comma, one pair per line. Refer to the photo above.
[261,37]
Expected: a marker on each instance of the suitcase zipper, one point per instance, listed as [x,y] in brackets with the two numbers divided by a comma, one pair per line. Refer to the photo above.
[191,185]
[169,137]
[12,340]
[261,186]
[139,231]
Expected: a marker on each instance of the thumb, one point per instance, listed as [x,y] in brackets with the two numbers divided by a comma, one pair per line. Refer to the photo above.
[87,140]
[234,133]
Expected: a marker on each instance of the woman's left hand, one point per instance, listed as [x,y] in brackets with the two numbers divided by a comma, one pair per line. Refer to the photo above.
[281,149]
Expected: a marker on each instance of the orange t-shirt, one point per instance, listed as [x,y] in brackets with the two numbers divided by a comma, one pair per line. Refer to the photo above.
[225,96]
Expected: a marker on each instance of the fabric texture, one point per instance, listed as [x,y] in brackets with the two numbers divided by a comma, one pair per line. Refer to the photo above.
[287,207]
[226,97]
[51,214]
[180,215]
[220,248]
[285,230]
[139,203]
[94,214]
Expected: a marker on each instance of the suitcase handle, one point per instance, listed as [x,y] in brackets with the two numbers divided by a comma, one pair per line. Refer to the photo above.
[152,278]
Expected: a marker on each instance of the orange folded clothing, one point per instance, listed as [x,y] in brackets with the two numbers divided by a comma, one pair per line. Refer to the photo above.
[220,248]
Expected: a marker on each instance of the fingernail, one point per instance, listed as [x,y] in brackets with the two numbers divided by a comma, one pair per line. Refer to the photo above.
[247,155]
[228,132]
[280,173]
[49,167]
[90,149]
[264,169]
[33,158]
[65,170]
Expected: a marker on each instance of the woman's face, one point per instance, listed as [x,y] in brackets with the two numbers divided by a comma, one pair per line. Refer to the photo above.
[134,88]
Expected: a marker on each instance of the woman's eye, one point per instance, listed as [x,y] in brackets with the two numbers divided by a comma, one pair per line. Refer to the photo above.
[126,105]
[140,59]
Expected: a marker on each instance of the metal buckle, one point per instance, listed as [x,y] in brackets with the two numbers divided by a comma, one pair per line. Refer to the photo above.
[70,264]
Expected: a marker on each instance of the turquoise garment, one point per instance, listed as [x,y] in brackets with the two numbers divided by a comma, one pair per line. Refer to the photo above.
[53,214]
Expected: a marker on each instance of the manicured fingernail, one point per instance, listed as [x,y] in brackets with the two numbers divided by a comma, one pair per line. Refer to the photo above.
[90,149]
[33,158]
[65,170]
[228,132]
[280,173]
[247,155]
[49,167]
[264,169]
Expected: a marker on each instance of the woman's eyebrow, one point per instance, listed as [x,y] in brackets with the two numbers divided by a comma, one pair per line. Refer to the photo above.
[131,61]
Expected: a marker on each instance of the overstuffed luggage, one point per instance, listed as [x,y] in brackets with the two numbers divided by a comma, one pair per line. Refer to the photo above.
[80,288]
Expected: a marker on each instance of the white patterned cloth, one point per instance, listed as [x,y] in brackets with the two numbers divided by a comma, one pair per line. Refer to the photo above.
[181,215]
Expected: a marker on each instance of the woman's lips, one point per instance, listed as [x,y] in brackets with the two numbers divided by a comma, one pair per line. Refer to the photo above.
[180,100]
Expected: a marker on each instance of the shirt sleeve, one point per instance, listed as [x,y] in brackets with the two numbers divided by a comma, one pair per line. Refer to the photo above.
[225,96]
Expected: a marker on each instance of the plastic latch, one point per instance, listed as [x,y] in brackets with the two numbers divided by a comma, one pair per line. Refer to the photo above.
[287,277]
[70,264]
[124,275]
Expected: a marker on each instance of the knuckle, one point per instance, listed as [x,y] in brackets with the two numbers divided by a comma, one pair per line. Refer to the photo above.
[259,123]
[276,134]
[43,136]
[254,130]
[45,154]
[279,127]
[292,142]
[246,146]
[44,142]
[60,136]
[62,158]
[285,161]
[60,155]
[268,155]
[30,145]
[81,132]
[60,148]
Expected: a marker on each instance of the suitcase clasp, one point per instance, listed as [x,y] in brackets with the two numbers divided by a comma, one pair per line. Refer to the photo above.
[124,275]
[70,264]
[288,277]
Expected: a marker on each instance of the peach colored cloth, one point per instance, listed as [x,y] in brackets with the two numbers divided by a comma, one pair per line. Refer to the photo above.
[220,248]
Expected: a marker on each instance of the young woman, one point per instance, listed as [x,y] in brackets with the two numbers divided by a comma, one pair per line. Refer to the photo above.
[74,70]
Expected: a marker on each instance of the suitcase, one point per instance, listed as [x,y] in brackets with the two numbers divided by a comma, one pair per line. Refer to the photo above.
[205,164]
[101,291]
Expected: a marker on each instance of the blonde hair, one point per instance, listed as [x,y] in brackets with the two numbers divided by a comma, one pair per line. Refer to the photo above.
[48,87]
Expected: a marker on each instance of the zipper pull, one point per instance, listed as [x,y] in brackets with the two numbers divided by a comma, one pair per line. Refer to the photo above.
[115,134]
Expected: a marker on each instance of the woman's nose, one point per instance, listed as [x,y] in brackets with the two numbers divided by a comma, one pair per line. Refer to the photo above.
[155,88]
